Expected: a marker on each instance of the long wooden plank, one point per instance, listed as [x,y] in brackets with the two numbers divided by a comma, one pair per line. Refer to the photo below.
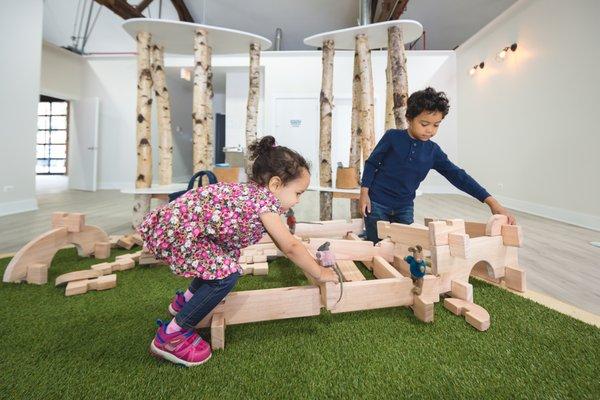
[350,271]
[336,228]
[367,295]
[382,269]
[409,235]
[268,304]
[345,249]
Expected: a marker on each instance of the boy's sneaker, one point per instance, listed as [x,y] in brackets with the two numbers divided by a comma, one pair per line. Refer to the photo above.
[184,347]
[177,303]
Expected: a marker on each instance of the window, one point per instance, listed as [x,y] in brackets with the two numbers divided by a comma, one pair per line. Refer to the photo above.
[53,125]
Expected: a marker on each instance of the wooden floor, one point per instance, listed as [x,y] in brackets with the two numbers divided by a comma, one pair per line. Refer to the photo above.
[558,258]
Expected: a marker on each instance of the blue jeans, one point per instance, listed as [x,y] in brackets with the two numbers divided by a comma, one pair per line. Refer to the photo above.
[207,295]
[379,212]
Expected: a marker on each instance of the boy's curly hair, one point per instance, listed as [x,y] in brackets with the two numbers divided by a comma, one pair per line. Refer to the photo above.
[271,160]
[428,100]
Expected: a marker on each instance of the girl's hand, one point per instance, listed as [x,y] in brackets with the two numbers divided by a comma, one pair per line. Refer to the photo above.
[364,202]
[328,275]
[497,208]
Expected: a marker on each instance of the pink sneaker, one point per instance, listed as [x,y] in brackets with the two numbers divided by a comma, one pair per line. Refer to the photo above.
[177,303]
[184,347]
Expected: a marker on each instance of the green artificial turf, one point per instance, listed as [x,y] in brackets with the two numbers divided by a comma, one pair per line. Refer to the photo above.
[95,346]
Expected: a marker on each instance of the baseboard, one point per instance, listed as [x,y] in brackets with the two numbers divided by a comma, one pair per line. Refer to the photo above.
[559,214]
[19,206]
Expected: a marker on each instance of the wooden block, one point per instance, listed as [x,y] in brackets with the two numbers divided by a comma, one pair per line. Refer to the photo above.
[247,269]
[137,239]
[402,266]
[103,268]
[259,258]
[76,287]
[136,256]
[423,310]
[101,250]
[268,304]
[217,331]
[37,273]
[147,258]
[474,314]
[249,252]
[382,269]
[462,290]
[512,235]
[102,282]
[272,253]
[439,230]
[385,249]
[113,239]
[126,242]
[243,259]
[76,276]
[494,225]
[350,271]
[475,229]
[367,295]
[514,278]
[329,229]
[351,236]
[409,235]
[260,268]
[123,264]
[430,289]
[345,249]
[459,245]
[74,222]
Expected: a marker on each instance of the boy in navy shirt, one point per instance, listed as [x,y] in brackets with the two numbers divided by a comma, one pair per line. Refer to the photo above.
[402,159]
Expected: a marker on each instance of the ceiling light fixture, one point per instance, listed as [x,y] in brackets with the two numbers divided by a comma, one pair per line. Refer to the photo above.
[501,55]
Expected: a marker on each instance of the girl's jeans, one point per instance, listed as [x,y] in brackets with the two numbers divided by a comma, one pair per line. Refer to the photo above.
[207,295]
[379,212]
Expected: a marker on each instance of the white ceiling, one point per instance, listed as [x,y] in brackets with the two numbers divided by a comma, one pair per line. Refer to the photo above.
[448,23]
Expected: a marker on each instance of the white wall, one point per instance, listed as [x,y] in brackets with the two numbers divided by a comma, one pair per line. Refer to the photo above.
[61,73]
[528,127]
[20,52]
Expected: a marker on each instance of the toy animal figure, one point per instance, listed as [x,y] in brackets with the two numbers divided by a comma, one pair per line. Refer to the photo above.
[326,258]
[417,266]
[291,221]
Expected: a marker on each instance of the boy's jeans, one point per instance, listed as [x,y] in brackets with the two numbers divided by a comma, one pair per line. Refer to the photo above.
[207,295]
[379,212]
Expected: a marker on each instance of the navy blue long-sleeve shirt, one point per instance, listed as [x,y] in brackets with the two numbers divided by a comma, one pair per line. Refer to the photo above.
[399,164]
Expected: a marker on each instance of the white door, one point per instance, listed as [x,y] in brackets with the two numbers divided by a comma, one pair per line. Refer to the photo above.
[297,127]
[83,144]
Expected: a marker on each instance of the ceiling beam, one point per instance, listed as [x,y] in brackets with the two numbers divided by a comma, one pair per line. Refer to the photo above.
[383,10]
[143,4]
[398,10]
[182,11]
[121,8]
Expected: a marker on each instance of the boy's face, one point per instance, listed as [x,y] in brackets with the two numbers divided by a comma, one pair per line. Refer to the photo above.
[425,125]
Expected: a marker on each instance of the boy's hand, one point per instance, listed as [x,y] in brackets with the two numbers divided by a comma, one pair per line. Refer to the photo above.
[364,202]
[497,208]
[328,275]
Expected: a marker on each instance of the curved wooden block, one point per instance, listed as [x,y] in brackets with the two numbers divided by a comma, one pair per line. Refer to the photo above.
[494,225]
[85,240]
[475,315]
[40,250]
[77,276]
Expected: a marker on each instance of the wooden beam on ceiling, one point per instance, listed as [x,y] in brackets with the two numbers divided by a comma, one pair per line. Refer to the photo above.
[182,11]
[143,4]
[388,10]
[121,8]
[398,9]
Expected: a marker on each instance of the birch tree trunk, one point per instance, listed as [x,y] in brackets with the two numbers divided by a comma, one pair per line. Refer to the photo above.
[390,123]
[210,131]
[367,121]
[252,106]
[399,76]
[326,109]
[141,204]
[355,139]
[163,111]
[144,108]
[199,113]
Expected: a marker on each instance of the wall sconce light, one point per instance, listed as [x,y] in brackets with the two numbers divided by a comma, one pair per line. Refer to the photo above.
[501,55]
[476,67]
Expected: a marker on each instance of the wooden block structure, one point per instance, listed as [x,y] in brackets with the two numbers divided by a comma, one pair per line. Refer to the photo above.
[126,242]
[102,250]
[83,286]
[32,261]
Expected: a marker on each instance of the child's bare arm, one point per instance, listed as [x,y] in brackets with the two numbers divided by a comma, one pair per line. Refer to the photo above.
[294,249]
